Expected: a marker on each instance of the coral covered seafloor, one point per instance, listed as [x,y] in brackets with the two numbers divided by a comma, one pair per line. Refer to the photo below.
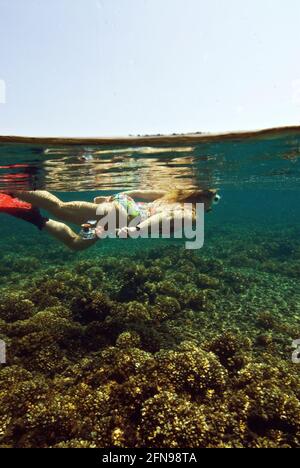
[151,346]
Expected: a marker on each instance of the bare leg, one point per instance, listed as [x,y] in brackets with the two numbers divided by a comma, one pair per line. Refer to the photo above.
[39,198]
[64,234]
[73,212]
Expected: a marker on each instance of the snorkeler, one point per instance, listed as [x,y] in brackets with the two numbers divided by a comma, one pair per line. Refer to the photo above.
[156,207]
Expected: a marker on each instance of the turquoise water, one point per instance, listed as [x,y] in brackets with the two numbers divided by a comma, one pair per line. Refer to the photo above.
[143,343]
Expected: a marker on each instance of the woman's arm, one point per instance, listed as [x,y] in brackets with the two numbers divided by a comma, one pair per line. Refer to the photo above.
[147,195]
[164,223]
[99,200]
[161,223]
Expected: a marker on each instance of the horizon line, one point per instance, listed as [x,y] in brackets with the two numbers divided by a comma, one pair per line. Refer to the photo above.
[194,137]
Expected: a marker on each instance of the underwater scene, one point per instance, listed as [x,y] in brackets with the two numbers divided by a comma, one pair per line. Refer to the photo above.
[143,343]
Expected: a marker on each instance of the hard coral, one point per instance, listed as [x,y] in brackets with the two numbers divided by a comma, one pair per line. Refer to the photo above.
[167,349]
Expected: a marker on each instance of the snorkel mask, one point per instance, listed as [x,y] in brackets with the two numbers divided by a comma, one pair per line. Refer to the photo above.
[214,201]
[217,199]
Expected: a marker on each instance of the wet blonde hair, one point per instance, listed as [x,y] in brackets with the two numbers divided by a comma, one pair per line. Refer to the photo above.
[189,196]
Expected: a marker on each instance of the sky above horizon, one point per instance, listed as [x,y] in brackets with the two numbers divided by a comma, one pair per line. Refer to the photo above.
[119,67]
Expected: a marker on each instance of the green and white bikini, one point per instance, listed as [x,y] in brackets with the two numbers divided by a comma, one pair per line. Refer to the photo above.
[134,209]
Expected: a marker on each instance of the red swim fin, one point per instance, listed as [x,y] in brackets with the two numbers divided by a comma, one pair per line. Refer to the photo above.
[22,210]
[8,204]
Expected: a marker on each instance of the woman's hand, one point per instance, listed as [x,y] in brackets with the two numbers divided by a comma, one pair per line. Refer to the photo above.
[99,200]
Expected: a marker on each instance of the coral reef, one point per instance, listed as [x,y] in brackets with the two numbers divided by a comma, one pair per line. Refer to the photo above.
[161,348]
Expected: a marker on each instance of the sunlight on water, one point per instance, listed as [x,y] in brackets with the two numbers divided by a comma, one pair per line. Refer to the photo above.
[257,163]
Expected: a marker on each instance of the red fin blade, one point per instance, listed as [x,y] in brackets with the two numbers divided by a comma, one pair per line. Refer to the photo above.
[8,203]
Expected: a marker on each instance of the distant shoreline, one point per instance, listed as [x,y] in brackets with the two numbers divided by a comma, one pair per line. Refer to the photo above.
[188,138]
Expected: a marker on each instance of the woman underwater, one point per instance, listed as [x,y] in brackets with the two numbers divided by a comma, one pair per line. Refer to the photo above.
[156,207]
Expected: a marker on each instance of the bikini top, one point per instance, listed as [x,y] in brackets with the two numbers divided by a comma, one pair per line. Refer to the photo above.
[134,209]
